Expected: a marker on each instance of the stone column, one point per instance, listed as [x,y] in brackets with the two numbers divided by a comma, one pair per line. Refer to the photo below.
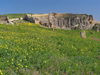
[79,21]
[74,22]
[69,22]
[58,23]
[65,22]
[82,21]
[62,23]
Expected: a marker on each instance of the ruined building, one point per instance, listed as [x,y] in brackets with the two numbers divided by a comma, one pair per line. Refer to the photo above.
[62,20]
[4,19]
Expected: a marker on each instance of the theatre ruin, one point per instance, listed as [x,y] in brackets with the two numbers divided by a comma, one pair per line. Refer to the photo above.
[62,20]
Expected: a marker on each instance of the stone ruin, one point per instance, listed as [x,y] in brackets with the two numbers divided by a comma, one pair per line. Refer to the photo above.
[96,27]
[38,19]
[83,34]
[63,20]
[58,20]
[4,19]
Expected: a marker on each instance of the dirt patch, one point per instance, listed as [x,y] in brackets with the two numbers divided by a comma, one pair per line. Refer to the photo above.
[5,31]
[95,38]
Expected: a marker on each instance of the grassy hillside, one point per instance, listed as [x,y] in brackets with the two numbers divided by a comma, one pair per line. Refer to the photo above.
[31,49]
[15,15]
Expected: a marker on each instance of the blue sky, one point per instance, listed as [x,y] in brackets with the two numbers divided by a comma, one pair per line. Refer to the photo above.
[44,6]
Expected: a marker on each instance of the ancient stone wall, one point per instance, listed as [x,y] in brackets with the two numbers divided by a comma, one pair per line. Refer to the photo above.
[36,20]
[4,19]
[72,20]
[13,19]
[29,18]
[55,20]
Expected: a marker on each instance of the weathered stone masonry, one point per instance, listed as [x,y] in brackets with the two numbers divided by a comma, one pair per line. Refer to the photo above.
[65,21]
[4,19]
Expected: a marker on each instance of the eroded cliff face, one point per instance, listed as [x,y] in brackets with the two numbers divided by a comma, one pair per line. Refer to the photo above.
[63,20]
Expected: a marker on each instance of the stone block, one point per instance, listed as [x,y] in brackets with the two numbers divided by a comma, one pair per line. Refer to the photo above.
[92,33]
[83,34]
[52,29]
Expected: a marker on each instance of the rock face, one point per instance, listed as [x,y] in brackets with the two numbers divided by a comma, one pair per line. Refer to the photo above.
[63,20]
[4,19]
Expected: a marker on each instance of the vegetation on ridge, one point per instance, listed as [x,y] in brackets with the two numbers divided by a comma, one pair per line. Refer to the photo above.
[14,15]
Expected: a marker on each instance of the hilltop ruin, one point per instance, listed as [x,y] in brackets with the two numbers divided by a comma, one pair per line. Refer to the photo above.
[4,19]
[56,20]
[62,20]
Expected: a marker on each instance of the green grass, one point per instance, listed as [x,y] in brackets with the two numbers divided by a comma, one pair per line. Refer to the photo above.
[15,15]
[31,49]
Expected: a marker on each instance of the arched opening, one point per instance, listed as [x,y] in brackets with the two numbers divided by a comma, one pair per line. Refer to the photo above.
[90,22]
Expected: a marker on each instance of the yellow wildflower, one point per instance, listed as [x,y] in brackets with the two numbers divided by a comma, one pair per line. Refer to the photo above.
[16,67]
[26,66]
[45,62]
